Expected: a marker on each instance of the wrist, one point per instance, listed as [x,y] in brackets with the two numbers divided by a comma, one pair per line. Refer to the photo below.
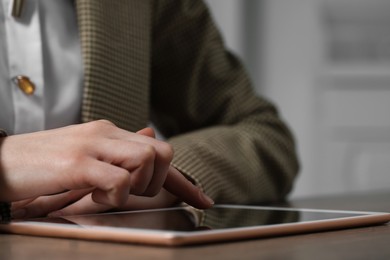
[4,207]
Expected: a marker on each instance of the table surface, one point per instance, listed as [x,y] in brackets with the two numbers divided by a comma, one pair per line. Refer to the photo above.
[358,243]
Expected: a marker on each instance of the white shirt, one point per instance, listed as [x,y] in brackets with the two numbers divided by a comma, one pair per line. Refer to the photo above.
[43,44]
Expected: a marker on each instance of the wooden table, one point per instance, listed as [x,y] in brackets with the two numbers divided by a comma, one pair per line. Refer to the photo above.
[361,243]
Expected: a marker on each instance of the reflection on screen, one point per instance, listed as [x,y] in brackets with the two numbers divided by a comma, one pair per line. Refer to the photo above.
[186,219]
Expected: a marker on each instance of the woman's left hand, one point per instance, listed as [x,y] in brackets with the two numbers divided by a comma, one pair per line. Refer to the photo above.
[79,202]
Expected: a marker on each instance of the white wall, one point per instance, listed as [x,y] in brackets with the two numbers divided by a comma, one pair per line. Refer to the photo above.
[229,16]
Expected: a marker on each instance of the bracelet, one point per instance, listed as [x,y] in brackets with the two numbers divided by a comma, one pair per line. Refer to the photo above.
[5,208]
[5,212]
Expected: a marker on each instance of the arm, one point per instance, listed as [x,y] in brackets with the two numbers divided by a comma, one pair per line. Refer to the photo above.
[231,142]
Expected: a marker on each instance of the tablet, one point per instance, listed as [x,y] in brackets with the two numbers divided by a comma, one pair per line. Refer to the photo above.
[186,225]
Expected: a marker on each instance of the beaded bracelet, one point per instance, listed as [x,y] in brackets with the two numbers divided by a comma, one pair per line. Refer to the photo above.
[5,208]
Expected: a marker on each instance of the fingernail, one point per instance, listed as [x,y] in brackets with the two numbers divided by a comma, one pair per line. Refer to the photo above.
[55,214]
[19,213]
[207,199]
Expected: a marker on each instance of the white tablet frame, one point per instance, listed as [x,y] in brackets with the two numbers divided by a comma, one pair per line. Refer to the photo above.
[180,238]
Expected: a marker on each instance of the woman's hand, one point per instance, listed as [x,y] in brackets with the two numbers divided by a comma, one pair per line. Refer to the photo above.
[98,157]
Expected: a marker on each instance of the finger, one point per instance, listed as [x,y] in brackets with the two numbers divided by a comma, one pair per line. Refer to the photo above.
[163,199]
[112,183]
[139,160]
[20,204]
[163,157]
[179,186]
[85,205]
[41,206]
[164,150]
[109,130]
[156,183]
[145,135]
[148,131]
[147,170]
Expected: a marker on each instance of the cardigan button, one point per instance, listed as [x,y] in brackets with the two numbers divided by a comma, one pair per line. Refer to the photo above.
[25,84]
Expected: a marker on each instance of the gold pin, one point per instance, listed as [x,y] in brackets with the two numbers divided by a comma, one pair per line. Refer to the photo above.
[25,84]
[17,8]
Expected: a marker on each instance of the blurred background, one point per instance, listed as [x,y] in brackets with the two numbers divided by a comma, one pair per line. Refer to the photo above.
[326,65]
